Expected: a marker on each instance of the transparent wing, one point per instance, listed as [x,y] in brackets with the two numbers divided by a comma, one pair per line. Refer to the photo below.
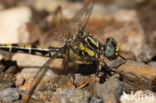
[59,32]
[81,18]
[68,28]
[41,72]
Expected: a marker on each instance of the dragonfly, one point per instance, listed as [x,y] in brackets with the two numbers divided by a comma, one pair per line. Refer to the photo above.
[79,47]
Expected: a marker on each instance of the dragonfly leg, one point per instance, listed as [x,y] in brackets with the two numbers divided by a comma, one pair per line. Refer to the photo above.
[104,72]
[101,69]
[75,82]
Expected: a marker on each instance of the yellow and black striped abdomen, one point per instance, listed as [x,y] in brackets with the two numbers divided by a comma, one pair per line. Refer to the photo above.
[29,49]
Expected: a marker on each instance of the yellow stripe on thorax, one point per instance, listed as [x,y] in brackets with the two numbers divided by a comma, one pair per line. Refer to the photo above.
[90,52]
[93,41]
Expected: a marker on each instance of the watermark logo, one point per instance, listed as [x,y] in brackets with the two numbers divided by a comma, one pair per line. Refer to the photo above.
[139,97]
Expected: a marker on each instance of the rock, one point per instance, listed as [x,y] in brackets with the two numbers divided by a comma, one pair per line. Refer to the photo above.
[47,88]
[28,60]
[10,21]
[51,5]
[152,37]
[138,75]
[23,34]
[1,56]
[115,63]
[6,80]
[110,90]
[27,75]
[152,64]
[31,64]
[145,54]
[8,95]
[95,100]
[81,81]
[138,97]
[72,95]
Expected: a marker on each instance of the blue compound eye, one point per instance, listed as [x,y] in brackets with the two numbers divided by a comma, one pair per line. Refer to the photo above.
[111,49]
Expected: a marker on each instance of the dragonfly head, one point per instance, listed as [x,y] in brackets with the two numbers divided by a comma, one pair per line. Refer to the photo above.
[111,48]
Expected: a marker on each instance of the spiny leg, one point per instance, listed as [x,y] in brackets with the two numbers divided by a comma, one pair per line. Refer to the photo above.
[104,72]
